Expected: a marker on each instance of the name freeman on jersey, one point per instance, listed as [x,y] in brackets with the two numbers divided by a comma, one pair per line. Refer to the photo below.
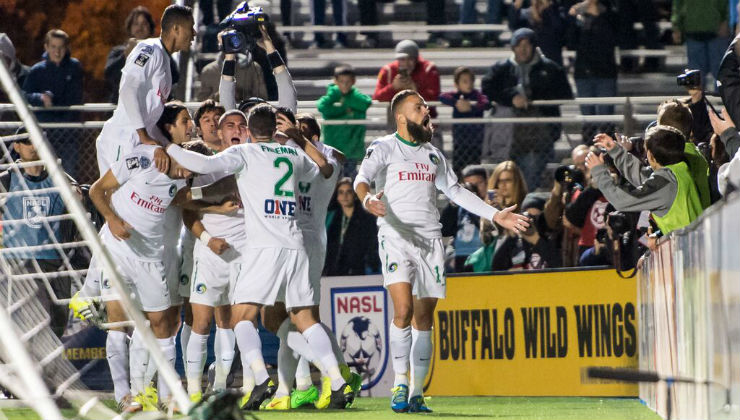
[154,205]
[419,175]
[281,150]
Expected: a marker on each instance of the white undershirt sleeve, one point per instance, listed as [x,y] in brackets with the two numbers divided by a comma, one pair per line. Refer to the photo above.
[447,182]
[230,160]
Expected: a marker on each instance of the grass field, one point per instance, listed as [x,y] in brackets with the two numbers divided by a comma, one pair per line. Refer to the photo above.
[499,408]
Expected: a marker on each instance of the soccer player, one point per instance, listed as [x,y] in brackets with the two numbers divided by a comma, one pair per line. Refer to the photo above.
[145,87]
[407,171]
[274,258]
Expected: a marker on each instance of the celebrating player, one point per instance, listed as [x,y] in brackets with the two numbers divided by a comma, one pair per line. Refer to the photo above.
[407,171]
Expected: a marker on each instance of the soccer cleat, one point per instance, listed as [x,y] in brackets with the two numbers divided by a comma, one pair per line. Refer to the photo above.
[301,398]
[151,393]
[244,400]
[400,398]
[342,398]
[146,404]
[128,405]
[325,396]
[418,405]
[195,398]
[355,381]
[81,307]
[260,393]
[276,403]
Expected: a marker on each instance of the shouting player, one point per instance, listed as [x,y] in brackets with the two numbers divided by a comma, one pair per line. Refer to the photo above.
[407,171]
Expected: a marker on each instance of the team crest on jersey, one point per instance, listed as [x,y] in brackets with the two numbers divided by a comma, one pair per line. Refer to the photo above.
[184,279]
[144,162]
[200,288]
[147,49]
[141,59]
[106,284]
[34,210]
[132,163]
[173,190]
[392,267]
[304,188]
[434,158]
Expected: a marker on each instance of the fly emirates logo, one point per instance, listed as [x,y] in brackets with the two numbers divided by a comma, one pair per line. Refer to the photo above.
[421,173]
[153,203]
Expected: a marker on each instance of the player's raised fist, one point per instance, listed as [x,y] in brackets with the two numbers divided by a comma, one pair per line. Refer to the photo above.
[374,205]
[508,219]
[161,160]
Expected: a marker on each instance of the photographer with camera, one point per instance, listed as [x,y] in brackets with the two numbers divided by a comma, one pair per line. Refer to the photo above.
[669,193]
[615,244]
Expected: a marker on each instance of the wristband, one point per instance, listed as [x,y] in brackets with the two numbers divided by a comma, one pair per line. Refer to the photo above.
[205,237]
[275,59]
[229,68]
[196,193]
[366,199]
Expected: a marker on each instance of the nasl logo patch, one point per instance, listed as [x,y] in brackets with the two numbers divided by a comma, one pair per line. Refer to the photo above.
[141,59]
[434,158]
[34,210]
[361,325]
[132,163]
[144,162]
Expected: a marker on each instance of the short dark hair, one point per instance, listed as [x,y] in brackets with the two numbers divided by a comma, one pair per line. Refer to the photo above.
[666,144]
[399,98]
[262,121]
[136,12]
[344,70]
[56,33]
[207,106]
[314,129]
[287,112]
[472,170]
[249,103]
[677,115]
[460,71]
[197,146]
[171,110]
[175,14]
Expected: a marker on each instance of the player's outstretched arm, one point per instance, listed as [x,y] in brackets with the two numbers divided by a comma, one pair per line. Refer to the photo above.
[508,219]
[100,193]
[230,160]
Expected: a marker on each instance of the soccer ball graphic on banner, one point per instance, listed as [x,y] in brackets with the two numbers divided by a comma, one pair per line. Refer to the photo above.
[362,345]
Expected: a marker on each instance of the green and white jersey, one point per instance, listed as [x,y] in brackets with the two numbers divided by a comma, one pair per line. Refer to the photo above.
[267,177]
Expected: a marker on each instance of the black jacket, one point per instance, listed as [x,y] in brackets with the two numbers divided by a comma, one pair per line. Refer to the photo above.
[359,251]
[729,83]
[64,81]
[594,38]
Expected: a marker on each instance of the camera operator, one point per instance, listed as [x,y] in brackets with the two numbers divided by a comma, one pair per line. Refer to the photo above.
[701,129]
[669,193]
[615,244]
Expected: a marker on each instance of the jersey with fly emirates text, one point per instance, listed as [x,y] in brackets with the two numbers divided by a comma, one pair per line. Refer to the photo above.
[141,201]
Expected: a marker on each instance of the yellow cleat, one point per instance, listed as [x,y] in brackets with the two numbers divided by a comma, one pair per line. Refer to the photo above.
[325,397]
[151,393]
[146,404]
[245,399]
[195,398]
[277,403]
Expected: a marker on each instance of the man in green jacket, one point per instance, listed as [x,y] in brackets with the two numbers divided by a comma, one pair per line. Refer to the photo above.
[344,102]
[703,24]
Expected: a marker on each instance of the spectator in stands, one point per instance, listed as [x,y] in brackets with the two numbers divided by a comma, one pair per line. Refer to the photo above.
[701,128]
[515,83]
[352,245]
[593,36]
[368,10]
[546,19]
[703,25]
[139,25]
[223,7]
[18,70]
[468,14]
[408,71]
[339,16]
[436,16]
[669,193]
[467,102]
[460,223]
[628,12]
[728,174]
[286,18]
[24,224]
[250,82]
[343,101]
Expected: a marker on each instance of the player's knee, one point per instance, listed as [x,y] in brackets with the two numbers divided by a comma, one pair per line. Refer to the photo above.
[201,326]
[402,315]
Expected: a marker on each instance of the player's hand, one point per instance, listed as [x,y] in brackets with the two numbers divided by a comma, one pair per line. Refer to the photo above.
[287,127]
[374,205]
[228,207]
[161,160]
[507,219]
[605,141]
[593,160]
[719,125]
[119,228]
[218,245]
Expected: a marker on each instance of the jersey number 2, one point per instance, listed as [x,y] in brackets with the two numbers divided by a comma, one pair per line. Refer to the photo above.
[279,191]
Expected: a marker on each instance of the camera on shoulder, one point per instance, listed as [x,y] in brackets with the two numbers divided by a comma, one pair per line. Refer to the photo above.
[244,30]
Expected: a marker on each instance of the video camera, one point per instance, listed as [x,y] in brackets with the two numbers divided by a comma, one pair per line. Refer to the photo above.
[244,22]
[570,176]
[690,79]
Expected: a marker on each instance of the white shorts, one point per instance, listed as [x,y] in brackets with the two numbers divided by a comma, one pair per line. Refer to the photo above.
[146,281]
[264,274]
[212,275]
[419,262]
[186,270]
[112,144]
[172,265]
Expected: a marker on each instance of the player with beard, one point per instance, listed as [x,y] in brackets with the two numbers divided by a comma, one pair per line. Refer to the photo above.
[407,171]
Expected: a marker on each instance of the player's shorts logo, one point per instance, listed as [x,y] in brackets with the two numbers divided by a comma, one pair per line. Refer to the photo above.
[106,284]
[434,158]
[392,267]
[184,279]
[200,288]
[173,190]
[144,162]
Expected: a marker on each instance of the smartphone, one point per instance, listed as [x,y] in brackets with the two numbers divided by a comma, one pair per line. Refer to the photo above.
[491,195]
[709,104]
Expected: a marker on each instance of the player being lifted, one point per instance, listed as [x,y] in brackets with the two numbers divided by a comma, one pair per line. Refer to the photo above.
[274,258]
[407,171]
[145,87]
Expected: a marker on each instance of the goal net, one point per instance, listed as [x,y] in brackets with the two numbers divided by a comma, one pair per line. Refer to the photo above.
[47,240]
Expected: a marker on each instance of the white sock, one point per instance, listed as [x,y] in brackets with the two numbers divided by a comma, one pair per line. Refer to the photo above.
[117,354]
[224,348]
[334,345]
[321,347]
[170,353]
[299,344]
[151,369]
[421,356]
[196,349]
[400,351]
[303,375]
[185,332]
[138,363]
[250,346]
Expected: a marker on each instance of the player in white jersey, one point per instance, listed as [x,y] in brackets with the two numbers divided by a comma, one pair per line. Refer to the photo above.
[407,171]
[274,259]
[145,87]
